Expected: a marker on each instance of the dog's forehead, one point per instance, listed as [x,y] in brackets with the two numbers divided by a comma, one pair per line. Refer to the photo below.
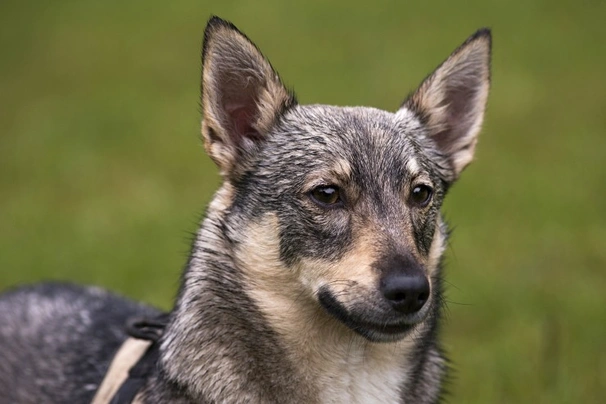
[366,137]
[347,122]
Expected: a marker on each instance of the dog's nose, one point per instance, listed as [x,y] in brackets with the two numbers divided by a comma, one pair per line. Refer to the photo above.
[406,293]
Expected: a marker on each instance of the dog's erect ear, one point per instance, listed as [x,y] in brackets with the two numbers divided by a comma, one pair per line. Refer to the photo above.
[242,96]
[452,100]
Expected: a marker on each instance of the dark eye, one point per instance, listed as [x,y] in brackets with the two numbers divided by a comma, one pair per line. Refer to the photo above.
[421,195]
[326,196]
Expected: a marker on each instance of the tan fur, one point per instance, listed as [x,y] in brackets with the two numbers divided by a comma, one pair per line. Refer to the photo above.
[438,245]
[223,198]
[412,166]
[340,365]
[352,273]
[338,173]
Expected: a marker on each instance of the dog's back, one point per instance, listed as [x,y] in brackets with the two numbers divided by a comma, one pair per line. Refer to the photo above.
[57,340]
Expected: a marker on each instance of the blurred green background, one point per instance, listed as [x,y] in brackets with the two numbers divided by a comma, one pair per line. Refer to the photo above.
[103,176]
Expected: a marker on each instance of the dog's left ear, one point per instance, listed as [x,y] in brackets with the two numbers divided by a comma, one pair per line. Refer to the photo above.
[452,100]
[242,95]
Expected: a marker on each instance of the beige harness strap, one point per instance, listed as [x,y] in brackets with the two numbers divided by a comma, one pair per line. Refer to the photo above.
[127,356]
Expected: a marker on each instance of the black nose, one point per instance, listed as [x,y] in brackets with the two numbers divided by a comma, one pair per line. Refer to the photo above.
[406,293]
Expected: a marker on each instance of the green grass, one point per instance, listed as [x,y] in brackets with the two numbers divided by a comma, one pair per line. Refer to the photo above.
[103,176]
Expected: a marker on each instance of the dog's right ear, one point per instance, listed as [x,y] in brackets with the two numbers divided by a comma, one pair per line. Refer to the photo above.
[242,95]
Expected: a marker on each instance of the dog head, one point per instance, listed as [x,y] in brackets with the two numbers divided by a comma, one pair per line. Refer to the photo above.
[346,201]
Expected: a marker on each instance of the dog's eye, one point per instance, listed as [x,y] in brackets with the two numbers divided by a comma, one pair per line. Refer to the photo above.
[326,195]
[421,195]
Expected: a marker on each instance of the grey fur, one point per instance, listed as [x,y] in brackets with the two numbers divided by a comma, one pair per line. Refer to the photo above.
[269,271]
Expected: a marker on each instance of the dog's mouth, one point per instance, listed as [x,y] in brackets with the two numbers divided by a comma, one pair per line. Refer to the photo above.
[379,330]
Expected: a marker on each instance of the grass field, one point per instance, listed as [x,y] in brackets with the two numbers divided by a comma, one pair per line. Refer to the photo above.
[103,176]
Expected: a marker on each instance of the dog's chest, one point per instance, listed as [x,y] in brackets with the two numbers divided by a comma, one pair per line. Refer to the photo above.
[362,378]
[364,388]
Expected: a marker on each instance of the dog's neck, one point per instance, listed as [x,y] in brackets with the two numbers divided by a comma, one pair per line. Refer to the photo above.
[242,332]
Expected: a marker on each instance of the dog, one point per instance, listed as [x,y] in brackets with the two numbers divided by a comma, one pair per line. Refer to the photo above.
[315,276]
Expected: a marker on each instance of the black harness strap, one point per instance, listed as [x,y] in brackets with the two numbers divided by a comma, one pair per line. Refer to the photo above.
[146,329]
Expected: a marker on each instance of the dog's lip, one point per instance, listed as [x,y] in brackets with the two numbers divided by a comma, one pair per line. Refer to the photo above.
[374,330]
[387,329]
